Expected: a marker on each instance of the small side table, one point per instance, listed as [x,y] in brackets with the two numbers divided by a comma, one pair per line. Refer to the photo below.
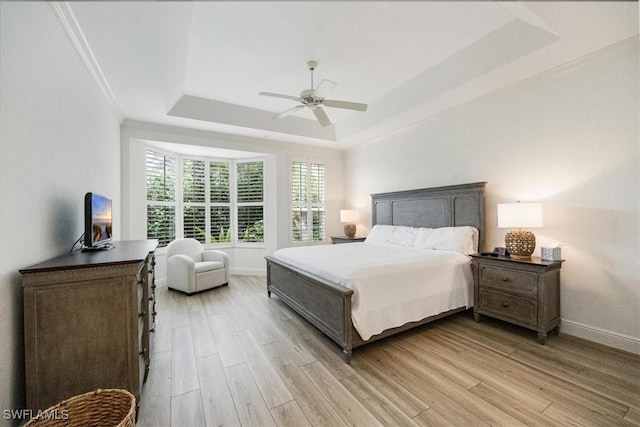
[522,292]
[344,239]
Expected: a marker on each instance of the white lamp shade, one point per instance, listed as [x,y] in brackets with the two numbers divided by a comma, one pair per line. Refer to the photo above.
[348,215]
[519,215]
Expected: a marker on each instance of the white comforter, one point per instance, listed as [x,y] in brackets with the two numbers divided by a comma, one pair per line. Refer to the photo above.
[392,284]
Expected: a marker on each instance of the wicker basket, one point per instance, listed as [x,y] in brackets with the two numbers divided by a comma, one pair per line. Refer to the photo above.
[101,407]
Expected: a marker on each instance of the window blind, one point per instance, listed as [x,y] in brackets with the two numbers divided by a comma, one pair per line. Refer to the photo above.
[250,201]
[220,185]
[161,177]
[193,181]
[161,197]
[249,182]
[250,224]
[307,201]
[220,224]
[193,223]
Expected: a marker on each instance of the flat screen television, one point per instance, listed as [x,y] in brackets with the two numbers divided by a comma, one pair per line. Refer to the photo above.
[98,230]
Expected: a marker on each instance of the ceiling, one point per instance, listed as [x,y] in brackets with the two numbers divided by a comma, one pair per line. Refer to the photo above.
[202,64]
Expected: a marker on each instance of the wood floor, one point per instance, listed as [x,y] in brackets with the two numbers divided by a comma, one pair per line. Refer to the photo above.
[231,356]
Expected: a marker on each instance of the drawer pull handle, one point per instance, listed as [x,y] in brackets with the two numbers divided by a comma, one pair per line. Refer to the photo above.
[505,304]
[142,352]
[144,313]
[505,279]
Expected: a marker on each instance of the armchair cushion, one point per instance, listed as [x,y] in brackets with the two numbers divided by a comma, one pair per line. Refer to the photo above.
[201,267]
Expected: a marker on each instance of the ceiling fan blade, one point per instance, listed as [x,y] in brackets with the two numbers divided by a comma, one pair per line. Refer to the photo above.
[287,112]
[324,88]
[345,104]
[321,116]
[279,95]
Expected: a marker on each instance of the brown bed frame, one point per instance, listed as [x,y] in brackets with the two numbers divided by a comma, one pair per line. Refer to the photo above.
[327,305]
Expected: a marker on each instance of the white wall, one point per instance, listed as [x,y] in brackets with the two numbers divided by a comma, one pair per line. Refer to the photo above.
[59,139]
[277,191]
[568,139]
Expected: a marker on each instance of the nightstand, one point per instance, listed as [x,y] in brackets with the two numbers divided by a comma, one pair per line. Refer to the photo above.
[522,292]
[344,239]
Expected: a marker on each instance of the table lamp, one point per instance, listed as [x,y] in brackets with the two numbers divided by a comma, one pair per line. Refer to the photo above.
[519,242]
[349,217]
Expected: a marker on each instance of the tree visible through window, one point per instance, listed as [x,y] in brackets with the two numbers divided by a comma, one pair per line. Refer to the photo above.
[307,201]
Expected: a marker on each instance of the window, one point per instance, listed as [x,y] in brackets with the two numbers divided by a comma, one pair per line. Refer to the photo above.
[161,197]
[193,199]
[221,201]
[307,201]
[250,201]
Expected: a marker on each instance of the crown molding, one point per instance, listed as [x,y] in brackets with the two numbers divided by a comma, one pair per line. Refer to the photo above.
[76,36]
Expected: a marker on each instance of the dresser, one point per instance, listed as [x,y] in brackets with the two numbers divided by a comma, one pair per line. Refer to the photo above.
[88,317]
[522,292]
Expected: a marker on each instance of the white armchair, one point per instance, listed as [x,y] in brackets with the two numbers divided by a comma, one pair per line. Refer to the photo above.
[191,269]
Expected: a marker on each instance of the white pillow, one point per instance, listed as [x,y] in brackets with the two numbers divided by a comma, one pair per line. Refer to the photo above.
[422,238]
[404,236]
[380,233]
[457,239]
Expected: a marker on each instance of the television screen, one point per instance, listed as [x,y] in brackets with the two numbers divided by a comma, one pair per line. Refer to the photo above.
[98,220]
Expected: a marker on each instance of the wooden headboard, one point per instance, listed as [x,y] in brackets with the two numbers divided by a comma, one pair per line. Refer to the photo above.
[450,206]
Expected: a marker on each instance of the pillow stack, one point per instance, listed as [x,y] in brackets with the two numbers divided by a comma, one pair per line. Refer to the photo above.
[457,239]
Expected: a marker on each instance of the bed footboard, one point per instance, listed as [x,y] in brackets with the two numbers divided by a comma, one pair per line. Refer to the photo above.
[324,304]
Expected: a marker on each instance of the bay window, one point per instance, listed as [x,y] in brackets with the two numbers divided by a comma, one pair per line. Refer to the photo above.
[219,201]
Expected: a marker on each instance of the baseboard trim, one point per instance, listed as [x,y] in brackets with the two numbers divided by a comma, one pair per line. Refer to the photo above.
[601,336]
[249,271]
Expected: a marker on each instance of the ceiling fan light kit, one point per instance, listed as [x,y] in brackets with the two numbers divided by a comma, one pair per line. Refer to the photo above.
[314,99]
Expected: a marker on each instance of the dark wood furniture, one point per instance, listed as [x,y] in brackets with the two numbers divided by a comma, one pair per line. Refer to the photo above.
[344,239]
[327,305]
[522,292]
[87,322]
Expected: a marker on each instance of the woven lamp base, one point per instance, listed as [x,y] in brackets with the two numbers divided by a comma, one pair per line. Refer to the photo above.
[350,230]
[520,243]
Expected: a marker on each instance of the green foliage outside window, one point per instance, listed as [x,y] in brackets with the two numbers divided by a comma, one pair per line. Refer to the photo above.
[206,196]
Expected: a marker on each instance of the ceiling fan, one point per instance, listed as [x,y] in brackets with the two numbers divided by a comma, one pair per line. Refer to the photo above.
[315,99]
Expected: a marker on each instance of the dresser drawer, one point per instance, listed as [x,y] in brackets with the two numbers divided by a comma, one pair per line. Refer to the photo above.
[512,281]
[524,310]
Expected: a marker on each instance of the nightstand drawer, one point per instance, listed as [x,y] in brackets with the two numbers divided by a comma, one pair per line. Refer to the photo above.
[521,309]
[519,282]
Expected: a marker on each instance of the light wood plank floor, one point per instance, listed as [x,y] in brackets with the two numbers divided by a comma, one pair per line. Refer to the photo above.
[231,356]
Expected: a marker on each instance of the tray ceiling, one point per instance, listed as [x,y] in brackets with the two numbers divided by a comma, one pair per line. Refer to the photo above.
[202,64]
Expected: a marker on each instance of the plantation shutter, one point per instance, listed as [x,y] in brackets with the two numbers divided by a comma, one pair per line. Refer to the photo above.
[193,197]
[307,201]
[299,174]
[316,180]
[250,201]
[219,197]
[161,197]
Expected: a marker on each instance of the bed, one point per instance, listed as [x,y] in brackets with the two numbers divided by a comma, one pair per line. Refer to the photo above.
[326,302]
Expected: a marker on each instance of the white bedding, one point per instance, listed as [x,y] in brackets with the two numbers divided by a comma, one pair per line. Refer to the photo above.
[392,284]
